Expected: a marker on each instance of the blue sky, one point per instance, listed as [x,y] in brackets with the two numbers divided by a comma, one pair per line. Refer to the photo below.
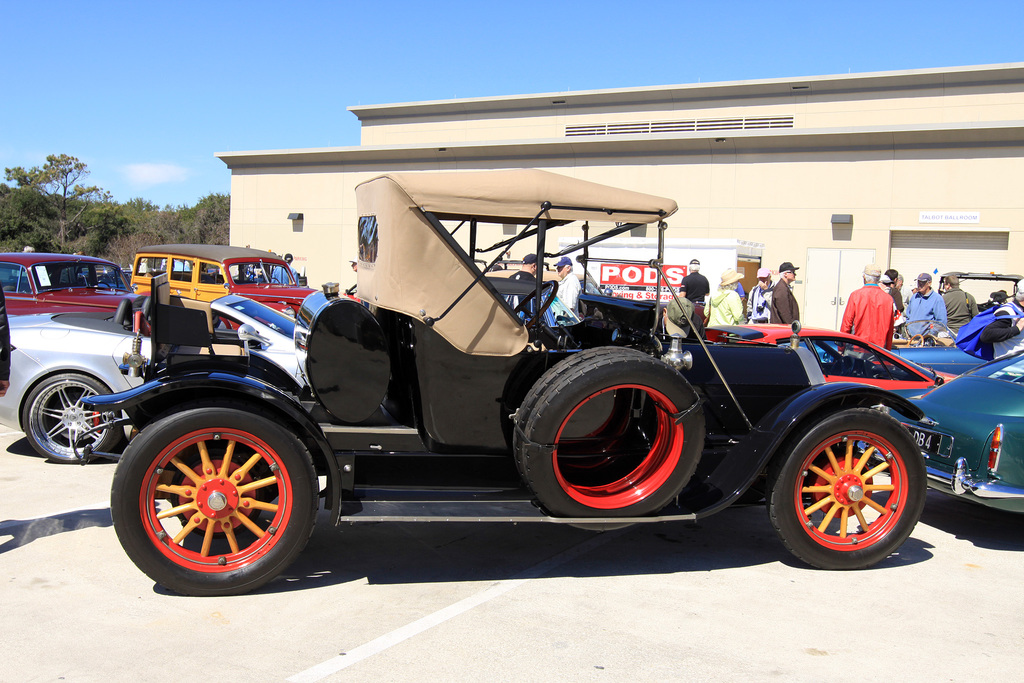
[145,93]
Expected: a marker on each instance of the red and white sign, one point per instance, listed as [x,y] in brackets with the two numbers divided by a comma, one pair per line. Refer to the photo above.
[639,283]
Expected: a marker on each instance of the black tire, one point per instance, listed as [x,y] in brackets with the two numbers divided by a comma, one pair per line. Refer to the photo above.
[53,416]
[214,545]
[597,435]
[821,515]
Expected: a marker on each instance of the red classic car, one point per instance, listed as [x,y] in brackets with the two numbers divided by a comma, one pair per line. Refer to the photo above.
[52,283]
[843,357]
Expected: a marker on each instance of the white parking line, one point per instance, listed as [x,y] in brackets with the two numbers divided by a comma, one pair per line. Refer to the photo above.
[358,654]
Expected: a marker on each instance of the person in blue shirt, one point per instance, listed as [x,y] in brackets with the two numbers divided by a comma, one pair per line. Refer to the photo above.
[923,306]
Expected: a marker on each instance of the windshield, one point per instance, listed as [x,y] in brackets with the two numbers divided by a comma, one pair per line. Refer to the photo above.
[1009,369]
[264,315]
[76,274]
[261,273]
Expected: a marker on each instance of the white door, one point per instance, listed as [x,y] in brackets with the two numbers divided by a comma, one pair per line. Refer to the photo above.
[832,274]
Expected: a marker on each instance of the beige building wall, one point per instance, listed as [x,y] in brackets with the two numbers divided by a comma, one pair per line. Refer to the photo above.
[881,147]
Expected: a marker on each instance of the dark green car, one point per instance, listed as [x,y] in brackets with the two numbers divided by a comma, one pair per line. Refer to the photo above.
[973,434]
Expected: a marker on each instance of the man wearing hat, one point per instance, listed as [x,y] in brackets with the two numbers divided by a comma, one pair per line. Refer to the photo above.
[923,306]
[785,309]
[759,301]
[726,307]
[568,283]
[870,311]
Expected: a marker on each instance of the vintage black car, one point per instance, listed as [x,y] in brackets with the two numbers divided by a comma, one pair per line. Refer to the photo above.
[432,398]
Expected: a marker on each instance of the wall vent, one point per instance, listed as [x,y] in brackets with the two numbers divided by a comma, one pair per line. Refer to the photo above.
[687,126]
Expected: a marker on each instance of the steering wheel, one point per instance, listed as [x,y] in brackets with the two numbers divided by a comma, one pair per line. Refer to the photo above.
[548,292]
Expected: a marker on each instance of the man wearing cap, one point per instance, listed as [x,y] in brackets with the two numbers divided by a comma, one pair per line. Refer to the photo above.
[924,305]
[870,312]
[759,301]
[960,305]
[695,286]
[785,309]
[527,271]
[568,283]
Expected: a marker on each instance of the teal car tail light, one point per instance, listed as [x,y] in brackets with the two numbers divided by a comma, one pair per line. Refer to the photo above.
[995,447]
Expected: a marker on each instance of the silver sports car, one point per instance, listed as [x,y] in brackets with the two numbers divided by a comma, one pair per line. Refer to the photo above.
[58,359]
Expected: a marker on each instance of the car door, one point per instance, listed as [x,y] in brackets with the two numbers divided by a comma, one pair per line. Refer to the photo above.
[209,281]
[17,286]
[181,276]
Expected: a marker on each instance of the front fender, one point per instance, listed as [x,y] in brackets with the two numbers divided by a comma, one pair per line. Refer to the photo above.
[144,403]
[748,458]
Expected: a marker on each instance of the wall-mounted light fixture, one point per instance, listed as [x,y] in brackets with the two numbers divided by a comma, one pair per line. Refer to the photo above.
[296,219]
[842,227]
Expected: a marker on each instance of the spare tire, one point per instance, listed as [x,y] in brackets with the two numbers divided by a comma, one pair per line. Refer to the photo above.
[609,432]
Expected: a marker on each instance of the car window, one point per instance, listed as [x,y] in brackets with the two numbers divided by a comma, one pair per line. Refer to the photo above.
[151,265]
[843,358]
[1009,369]
[264,315]
[14,278]
[260,273]
[209,273]
[181,270]
[109,277]
[78,274]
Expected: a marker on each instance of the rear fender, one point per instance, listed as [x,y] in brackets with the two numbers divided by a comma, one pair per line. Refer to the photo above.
[144,403]
[748,458]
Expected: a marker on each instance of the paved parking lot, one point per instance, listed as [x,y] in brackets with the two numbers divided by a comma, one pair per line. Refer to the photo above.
[412,602]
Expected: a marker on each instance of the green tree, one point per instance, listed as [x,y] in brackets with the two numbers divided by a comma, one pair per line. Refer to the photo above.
[58,179]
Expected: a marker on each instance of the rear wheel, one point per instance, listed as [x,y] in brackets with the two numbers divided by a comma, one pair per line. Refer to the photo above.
[54,417]
[214,500]
[850,491]
[608,433]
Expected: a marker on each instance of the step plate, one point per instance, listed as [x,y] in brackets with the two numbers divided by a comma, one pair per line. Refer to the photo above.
[474,506]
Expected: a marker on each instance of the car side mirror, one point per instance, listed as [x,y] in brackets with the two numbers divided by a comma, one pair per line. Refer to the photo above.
[247,333]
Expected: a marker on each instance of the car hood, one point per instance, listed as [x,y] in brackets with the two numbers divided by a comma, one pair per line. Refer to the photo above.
[79,299]
[272,291]
[969,395]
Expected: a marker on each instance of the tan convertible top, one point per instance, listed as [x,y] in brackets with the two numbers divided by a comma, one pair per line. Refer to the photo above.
[408,265]
[516,197]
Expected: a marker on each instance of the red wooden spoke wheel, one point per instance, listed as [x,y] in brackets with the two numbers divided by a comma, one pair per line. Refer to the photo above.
[214,500]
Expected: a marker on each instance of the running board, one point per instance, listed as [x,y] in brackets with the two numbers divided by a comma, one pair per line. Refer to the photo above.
[476,506]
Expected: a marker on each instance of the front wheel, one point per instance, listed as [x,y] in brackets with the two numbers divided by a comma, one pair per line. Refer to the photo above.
[214,500]
[849,492]
[54,417]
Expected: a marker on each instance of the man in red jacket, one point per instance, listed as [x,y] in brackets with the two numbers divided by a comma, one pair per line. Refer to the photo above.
[870,311]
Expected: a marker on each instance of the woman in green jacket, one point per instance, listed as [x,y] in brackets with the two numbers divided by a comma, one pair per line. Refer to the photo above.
[725,306]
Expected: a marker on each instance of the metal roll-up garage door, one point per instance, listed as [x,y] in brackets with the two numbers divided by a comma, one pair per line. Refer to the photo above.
[926,251]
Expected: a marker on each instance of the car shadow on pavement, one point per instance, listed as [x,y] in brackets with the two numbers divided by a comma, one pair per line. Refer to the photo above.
[400,553]
[24,531]
[983,526]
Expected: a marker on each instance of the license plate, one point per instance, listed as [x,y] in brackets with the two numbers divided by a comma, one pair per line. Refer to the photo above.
[929,441]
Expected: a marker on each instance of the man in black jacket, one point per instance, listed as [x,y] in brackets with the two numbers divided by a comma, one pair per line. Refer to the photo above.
[1004,333]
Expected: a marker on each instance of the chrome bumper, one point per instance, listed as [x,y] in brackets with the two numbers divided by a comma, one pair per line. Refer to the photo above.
[961,483]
